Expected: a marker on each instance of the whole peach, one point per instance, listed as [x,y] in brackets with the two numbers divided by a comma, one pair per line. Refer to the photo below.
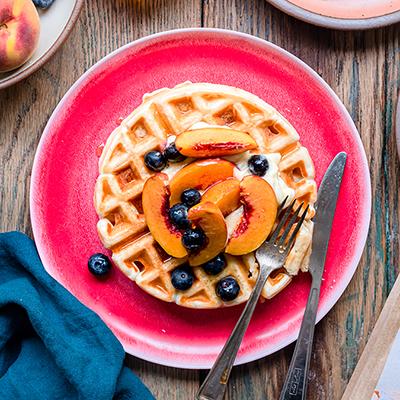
[19,33]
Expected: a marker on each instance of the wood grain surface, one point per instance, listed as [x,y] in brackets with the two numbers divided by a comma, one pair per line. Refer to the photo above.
[363,68]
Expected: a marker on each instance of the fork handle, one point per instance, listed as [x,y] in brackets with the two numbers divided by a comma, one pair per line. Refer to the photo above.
[213,387]
[295,386]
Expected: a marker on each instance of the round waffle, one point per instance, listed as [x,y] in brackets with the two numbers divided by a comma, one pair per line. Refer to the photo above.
[122,227]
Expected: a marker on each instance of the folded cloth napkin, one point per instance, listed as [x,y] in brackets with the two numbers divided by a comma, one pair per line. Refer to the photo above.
[51,346]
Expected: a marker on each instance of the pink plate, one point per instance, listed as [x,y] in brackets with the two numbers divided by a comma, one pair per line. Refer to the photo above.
[65,170]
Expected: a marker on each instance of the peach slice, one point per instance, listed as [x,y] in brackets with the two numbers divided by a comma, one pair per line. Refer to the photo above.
[213,142]
[225,195]
[19,33]
[259,214]
[209,218]
[199,175]
[155,207]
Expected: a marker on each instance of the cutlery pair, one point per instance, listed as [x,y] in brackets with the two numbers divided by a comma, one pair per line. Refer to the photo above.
[271,256]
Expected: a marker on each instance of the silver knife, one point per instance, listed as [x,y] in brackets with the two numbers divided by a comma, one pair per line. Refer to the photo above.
[295,386]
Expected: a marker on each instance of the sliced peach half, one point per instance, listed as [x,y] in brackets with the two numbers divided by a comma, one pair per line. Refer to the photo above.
[155,207]
[213,142]
[225,195]
[259,214]
[199,175]
[210,219]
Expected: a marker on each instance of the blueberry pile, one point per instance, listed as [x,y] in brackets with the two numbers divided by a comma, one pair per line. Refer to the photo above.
[99,265]
[258,165]
[192,239]
[43,3]
[227,288]
[157,161]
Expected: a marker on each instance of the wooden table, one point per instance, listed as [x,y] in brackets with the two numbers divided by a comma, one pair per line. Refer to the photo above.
[363,68]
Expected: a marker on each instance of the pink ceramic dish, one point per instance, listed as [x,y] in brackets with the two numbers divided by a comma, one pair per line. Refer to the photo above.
[66,167]
[342,14]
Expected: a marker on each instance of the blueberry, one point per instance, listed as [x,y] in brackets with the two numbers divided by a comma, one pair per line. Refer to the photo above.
[155,160]
[43,3]
[182,278]
[190,197]
[193,239]
[228,289]
[172,154]
[215,266]
[258,165]
[178,215]
[99,264]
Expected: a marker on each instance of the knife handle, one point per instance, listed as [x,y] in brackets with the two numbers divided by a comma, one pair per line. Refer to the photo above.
[295,386]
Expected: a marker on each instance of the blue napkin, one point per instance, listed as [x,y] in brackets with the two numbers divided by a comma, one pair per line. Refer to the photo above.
[51,346]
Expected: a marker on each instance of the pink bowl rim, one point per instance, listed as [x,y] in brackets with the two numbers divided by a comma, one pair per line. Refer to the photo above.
[158,356]
[335,23]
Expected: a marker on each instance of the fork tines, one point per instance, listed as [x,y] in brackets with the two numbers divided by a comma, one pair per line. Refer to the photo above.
[287,215]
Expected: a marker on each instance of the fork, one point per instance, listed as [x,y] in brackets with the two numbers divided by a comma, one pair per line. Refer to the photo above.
[271,255]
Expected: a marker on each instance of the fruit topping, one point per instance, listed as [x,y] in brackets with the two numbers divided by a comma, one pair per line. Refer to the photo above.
[172,154]
[99,264]
[214,142]
[258,165]
[19,34]
[155,160]
[43,3]
[199,175]
[182,278]
[228,289]
[225,195]
[194,239]
[259,213]
[209,218]
[179,216]
[155,207]
[215,265]
[190,197]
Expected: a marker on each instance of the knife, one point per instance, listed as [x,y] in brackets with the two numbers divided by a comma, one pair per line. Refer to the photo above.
[295,386]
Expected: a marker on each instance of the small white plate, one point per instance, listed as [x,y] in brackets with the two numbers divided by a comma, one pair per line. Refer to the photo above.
[55,25]
[342,14]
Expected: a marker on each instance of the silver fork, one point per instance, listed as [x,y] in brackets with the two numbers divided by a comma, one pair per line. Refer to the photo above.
[271,255]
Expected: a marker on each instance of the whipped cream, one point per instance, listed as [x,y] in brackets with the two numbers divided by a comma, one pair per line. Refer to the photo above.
[272,176]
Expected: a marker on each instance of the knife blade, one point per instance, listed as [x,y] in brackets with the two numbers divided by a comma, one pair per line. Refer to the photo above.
[295,386]
[325,210]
